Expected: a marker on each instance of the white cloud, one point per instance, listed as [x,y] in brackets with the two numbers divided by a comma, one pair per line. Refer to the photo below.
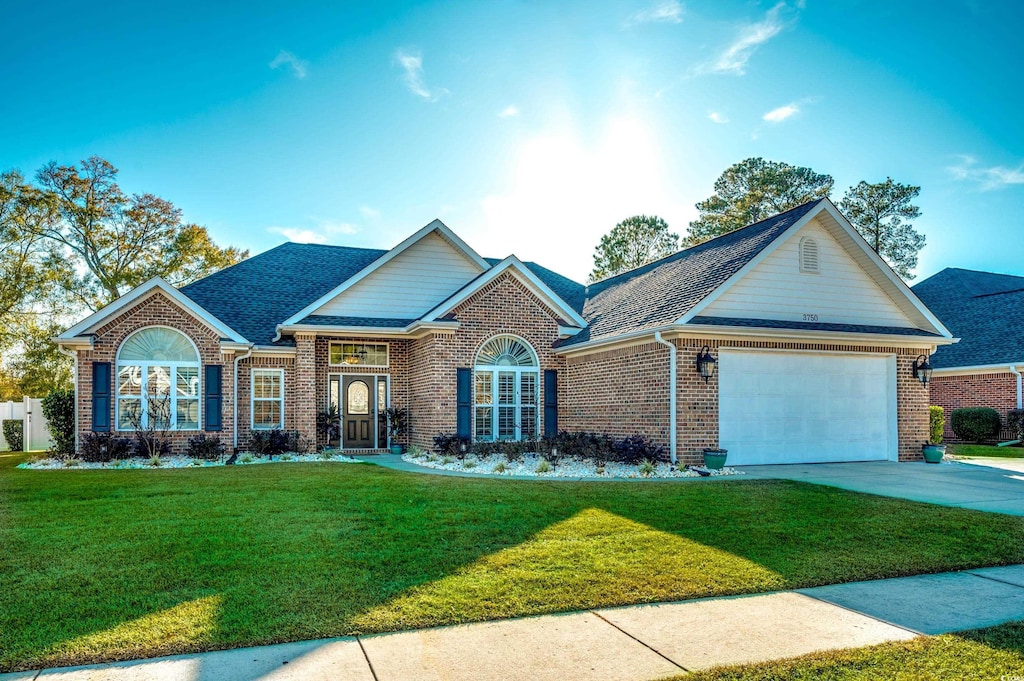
[782,113]
[669,12]
[324,232]
[412,65]
[733,59]
[563,191]
[299,67]
[988,178]
[717,118]
[369,212]
[509,111]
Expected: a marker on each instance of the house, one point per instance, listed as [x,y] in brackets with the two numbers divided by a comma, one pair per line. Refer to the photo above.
[984,368]
[786,341]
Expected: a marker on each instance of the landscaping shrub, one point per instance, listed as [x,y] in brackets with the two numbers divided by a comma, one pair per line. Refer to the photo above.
[635,448]
[974,424]
[1015,422]
[14,433]
[583,445]
[104,447]
[59,411]
[205,448]
[151,445]
[936,424]
[271,442]
[450,444]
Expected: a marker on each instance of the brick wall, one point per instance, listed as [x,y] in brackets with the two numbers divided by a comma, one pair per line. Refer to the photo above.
[504,306]
[156,310]
[292,406]
[998,391]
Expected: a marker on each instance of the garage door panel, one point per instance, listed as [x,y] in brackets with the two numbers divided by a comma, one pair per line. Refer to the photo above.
[805,407]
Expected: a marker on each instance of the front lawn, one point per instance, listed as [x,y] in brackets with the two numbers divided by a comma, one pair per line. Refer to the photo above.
[993,653]
[101,565]
[971,451]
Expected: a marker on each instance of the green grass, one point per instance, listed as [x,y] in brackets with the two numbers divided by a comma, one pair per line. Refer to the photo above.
[971,451]
[993,653]
[103,565]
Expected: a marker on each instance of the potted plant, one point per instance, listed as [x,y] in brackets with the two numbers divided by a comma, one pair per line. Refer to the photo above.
[714,457]
[935,450]
[398,425]
[328,424]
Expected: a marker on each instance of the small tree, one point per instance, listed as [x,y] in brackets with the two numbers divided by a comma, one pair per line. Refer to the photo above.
[398,421]
[936,424]
[59,411]
[633,242]
[152,429]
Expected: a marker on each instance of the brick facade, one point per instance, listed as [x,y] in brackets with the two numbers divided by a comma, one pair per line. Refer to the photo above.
[156,310]
[620,391]
[998,391]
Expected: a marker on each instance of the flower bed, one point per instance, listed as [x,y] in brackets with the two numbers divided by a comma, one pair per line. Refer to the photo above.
[185,462]
[533,465]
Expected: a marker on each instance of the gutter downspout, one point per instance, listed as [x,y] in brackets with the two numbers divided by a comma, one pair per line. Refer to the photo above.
[672,414]
[1015,372]
[234,406]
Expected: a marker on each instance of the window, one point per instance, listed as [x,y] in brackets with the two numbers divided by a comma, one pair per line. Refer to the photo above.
[267,399]
[359,354]
[506,380]
[157,381]
[809,261]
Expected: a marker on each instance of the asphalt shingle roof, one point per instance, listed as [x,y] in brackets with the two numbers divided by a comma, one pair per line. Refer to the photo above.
[980,308]
[663,291]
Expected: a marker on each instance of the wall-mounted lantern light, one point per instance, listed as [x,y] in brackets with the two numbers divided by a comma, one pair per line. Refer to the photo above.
[705,363]
[922,369]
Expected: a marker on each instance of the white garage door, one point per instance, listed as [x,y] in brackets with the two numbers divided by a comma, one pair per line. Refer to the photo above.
[782,407]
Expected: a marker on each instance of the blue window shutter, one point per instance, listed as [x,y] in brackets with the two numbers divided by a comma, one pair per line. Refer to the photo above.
[550,403]
[101,397]
[213,405]
[464,386]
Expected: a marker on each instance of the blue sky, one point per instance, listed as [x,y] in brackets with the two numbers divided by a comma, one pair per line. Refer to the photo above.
[528,127]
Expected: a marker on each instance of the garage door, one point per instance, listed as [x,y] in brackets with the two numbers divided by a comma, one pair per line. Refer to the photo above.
[781,407]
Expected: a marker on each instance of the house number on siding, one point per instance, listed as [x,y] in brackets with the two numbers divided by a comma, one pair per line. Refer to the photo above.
[810,317]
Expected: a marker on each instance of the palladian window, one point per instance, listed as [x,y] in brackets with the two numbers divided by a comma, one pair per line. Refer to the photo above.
[506,385]
[157,381]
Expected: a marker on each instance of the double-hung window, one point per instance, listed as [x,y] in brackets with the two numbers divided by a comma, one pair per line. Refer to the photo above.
[267,399]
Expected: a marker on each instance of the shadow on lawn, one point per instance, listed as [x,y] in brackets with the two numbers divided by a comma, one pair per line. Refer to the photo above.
[123,564]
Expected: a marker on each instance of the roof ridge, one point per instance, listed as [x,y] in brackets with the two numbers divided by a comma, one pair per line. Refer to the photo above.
[688,249]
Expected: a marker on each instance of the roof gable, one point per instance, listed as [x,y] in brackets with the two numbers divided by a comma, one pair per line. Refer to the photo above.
[405,282]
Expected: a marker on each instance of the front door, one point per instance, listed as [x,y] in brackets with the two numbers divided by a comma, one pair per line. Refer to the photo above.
[358,412]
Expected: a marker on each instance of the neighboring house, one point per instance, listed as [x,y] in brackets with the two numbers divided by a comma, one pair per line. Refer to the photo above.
[813,338]
[984,368]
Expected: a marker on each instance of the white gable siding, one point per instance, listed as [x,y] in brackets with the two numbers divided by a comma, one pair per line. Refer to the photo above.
[408,286]
[841,293]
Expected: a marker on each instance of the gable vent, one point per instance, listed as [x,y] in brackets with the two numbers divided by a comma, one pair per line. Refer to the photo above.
[809,261]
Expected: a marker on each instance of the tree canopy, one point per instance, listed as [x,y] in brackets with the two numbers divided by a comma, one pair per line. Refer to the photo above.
[882,212]
[115,241]
[753,190]
[633,242]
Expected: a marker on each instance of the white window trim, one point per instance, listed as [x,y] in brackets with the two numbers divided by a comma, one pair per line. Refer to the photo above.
[385,365]
[143,397]
[253,399]
[494,370]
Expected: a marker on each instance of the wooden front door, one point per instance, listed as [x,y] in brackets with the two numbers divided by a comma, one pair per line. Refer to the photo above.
[358,412]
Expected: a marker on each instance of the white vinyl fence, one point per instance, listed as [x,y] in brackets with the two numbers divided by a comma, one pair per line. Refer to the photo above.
[30,412]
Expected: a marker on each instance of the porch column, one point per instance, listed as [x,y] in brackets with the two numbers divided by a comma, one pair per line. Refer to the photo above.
[303,393]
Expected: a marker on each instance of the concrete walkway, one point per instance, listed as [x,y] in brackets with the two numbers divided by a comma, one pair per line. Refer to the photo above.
[983,488]
[630,643]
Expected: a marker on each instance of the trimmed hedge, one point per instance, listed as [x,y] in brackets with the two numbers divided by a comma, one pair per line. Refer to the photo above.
[936,424]
[1015,422]
[974,424]
[14,433]
[59,411]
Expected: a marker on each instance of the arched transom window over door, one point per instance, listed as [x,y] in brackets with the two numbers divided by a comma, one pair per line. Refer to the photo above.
[157,381]
[506,388]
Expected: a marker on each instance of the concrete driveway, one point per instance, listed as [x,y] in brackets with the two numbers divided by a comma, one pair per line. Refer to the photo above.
[979,487]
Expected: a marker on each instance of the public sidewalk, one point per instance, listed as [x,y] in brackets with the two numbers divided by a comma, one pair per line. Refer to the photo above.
[630,643]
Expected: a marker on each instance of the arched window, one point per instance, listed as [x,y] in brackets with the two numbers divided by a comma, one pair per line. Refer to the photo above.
[809,261]
[157,381]
[507,381]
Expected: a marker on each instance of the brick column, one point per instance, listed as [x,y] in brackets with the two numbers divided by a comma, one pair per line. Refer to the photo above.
[303,392]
